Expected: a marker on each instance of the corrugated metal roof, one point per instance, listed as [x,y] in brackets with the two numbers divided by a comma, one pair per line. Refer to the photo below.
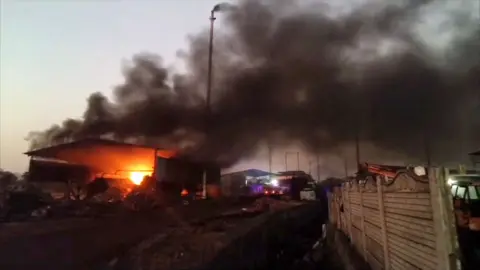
[52,150]
[250,172]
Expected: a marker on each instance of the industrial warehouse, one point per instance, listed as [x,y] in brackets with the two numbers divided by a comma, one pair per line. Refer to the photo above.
[68,169]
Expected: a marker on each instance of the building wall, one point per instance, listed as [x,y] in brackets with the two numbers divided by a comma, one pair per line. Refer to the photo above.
[41,171]
[119,161]
[112,159]
[109,159]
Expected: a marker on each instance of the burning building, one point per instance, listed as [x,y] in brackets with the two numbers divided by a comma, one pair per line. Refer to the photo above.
[80,162]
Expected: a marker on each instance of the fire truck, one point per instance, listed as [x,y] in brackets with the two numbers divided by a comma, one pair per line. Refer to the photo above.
[297,185]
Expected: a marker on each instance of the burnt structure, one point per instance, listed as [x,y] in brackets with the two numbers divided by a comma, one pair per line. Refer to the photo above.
[85,160]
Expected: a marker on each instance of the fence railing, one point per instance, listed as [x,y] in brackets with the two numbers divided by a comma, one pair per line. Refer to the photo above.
[406,223]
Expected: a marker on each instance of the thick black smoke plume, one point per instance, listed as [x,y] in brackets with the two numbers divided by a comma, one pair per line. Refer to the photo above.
[292,70]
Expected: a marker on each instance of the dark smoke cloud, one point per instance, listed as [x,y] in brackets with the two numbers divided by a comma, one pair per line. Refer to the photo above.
[288,72]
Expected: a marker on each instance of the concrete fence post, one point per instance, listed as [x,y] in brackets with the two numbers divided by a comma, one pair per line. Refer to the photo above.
[336,208]
[362,215]
[343,210]
[349,215]
[443,218]
[383,225]
[340,207]
[331,207]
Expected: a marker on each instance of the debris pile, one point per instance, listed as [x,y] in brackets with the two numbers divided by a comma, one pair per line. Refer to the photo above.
[194,244]
[187,246]
[24,201]
[21,201]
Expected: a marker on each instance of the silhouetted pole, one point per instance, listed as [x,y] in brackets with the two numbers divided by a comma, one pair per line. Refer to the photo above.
[210,63]
[209,87]
[269,158]
[298,161]
[357,148]
[318,167]
[286,160]
[345,164]
[426,143]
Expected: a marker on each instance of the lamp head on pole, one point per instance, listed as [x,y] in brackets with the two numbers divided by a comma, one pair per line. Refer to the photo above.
[222,7]
[219,8]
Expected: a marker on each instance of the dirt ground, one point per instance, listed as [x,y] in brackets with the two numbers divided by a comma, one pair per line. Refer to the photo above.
[192,245]
[78,247]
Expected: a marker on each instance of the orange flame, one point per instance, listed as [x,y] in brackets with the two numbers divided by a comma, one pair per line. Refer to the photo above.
[137,177]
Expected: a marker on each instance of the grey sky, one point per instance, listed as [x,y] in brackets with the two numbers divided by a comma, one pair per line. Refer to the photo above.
[55,53]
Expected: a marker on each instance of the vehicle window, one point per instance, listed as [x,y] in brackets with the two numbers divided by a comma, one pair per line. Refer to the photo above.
[473,193]
[454,190]
[460,194]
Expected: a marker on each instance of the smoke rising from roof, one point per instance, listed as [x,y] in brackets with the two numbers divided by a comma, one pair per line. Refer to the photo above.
[306,71]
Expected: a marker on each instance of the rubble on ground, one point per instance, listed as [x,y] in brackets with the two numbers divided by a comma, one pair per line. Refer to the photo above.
[20,200]
[184,247]
[190,246]
[23,201]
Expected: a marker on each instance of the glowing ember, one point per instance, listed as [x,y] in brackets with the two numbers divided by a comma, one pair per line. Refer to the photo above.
[137,177]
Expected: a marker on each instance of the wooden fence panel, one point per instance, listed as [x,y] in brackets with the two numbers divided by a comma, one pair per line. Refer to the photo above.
[409,223]
[374,253]
[392,224]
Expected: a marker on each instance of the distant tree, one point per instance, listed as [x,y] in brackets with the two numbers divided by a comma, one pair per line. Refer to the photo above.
[7,178]
[24,176]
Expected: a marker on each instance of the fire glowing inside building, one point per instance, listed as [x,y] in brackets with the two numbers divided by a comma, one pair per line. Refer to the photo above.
[83,161]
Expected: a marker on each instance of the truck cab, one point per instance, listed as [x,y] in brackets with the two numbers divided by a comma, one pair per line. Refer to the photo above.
[308,192]
[465,191]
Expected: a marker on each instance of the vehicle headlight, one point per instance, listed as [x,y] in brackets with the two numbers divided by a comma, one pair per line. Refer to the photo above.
[274,182]
[420,171]
[450,181]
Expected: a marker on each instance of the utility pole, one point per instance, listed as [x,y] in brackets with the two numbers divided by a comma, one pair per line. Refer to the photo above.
[208,96]
[216,8]
[345,164]
[357,148]
[298,161]
[318,167]
[209,91]
[426,143]
[269,158]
